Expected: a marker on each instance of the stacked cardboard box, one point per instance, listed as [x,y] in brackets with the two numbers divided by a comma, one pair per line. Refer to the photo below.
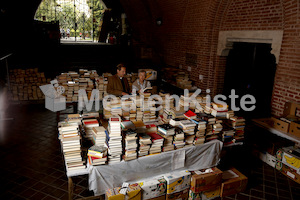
[25,84]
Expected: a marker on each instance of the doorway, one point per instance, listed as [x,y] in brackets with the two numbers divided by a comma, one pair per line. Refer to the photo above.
[250,69]
[79,20]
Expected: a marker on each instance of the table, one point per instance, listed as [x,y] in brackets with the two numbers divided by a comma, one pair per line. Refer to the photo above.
[262,123]
[196,157]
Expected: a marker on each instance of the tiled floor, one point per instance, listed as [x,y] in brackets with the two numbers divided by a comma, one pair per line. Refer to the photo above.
[32,165]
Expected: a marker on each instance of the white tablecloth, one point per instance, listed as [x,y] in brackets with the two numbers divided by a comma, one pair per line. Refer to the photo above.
[196,157]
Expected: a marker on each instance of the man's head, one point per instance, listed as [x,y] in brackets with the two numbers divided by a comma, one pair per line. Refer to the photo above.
[142,75]
[121,70]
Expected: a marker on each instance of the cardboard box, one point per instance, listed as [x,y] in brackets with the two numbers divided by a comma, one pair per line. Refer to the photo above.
[290,108]
[182,195]
[287,157]
[151,74]
[288,171]
[268,158]
[234,185]
[163,197]
[153,188]
[134,192]
[177,181]
[280,125]
[211,194]
[295,129]
[201,181]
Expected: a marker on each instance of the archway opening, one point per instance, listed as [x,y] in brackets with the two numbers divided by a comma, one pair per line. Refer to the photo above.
[79,20]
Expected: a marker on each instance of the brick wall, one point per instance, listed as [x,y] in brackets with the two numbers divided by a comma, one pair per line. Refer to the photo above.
[192,26]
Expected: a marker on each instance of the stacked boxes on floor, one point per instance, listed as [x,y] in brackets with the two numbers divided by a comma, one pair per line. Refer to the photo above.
[25,84]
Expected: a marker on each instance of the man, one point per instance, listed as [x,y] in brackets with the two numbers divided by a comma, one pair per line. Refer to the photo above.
[117,84]
[140,83]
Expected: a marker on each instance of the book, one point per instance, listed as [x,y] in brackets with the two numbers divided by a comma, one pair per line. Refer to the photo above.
[190,115]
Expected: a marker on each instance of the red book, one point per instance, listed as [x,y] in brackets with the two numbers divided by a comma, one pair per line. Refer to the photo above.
[114,119]
[154,136]
[190,114]
[91,122]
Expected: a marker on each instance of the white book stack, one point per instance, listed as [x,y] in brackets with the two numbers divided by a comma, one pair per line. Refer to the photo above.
[115,139]
[116,107]
[179,139]
[99,135]
[130,146]
[70,142]
[88,125]
[145,143]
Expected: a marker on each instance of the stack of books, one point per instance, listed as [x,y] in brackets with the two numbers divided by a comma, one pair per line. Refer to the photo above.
[238,124]
[165,116]
[70,142]
[157,143]
[115,139]
[116,107]
[213,131]
[88,125]
[166,129]
[144,144]
[97,155]
[219,111]
[168,143]
[189,140]
[74,118]
[200,132]
[130,144]
[187,126]
[228,137]
[99,135]
[179,138]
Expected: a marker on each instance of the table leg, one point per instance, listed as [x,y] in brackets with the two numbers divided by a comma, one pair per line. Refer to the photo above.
[70,188]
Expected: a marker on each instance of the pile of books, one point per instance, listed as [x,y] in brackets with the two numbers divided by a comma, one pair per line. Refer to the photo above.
[116,107]
[166,129]
[115,139]
[157,143]
[228,137]
[130,144]
[73,82]
[25,84]
[99,135]
[213,130]
[187,126]
[144,144]
[168,143]
[238,124]
[70,142]
[179,138]
[200,131]
[220,111]
[88,125]
[97,155]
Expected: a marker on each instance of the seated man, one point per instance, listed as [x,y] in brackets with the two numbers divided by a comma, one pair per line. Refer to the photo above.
[117,84]
[140,84]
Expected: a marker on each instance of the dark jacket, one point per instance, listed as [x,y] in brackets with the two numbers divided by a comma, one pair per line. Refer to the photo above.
[115,87]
